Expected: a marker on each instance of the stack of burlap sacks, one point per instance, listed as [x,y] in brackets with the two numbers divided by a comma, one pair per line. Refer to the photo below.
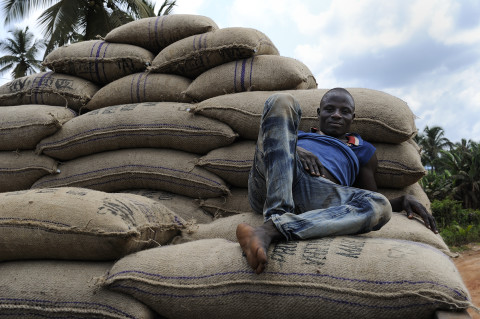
[159,155]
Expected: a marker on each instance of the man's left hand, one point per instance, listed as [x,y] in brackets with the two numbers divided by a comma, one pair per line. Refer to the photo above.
[412,206]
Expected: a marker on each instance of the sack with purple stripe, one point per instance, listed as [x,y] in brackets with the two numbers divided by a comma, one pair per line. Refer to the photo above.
[399,165]
[99,61]
[155,33]
[81,224]
[136,168]
[48,88]
[19,170]
[379,117]
[156,125]
[63,289]
[232,163]
[194,55]
[23,126]
[141,87]
[259,73]
[337,277]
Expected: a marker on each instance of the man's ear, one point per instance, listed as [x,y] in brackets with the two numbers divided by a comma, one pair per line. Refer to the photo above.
[353,116]
[318,111]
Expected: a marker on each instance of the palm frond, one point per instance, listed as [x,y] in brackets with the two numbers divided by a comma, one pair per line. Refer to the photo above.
[167,7]
[19,9]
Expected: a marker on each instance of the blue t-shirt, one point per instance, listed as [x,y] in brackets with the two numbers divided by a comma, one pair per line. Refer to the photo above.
[341,160]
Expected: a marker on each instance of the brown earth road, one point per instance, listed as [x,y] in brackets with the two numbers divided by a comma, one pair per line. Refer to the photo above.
[468,263]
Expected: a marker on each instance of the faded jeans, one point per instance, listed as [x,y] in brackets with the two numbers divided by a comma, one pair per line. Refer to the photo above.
[300,205]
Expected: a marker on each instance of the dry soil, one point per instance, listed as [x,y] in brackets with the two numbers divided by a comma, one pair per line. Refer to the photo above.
[468,263]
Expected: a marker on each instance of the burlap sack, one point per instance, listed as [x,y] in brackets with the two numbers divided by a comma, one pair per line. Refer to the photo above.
[237,202]
[194,55]
[259,73]
[183,206]
[158,125]
[141,87]
[19,170]
[232,163]
[48,88]
[379,117]
[160,169]
[224,227]
[156,33]
[23,126]
[339,277]
[62,289]
[398,165]
[81,224]
[399,227]
[234,203]
[99,61]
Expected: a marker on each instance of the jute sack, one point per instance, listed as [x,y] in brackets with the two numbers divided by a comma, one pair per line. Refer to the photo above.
[258,73]
[48,88]
[99,61]
[23,126]
[183,206]
[141,87]
[158,125]
[337,277]
[237,201]
[415,189]
[379,117]
[196,54]
[161,169]
[232,163]
[19,170]
[81,224]
[156,33]
[224,227]
[399,227]
[62,289]
[399,165]
[234,203]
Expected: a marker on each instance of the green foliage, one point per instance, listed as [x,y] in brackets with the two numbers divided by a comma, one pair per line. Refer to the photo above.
[453,173]
[456,235]
[446,212]
[21,50]
[457,225]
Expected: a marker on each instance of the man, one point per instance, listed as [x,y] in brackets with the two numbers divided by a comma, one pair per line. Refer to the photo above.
[304,190]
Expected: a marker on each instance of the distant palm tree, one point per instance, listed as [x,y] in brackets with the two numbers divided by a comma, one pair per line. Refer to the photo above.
[432,142]
[464,163]
[67,21]
[21,50]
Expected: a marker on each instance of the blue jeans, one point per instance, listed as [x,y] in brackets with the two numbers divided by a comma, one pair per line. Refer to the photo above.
[300,205]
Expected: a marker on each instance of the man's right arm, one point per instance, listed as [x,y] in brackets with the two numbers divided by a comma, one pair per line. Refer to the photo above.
[310,162]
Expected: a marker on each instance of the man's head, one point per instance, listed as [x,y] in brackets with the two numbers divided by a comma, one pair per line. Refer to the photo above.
[336,112]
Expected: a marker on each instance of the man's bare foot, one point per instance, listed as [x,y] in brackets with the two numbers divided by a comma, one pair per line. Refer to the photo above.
[255,242]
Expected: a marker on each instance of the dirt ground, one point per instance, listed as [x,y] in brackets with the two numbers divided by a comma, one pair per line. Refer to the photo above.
[468,263]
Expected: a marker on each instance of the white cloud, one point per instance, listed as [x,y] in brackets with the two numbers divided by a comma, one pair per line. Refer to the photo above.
[185,6]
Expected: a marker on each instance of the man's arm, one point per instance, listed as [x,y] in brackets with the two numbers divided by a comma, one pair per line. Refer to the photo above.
[408,203]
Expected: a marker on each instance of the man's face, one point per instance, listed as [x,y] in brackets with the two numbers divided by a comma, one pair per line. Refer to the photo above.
[335,114]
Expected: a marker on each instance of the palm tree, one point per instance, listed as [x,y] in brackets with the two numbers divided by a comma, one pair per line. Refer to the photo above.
[432,142]
[165,9]
[66,21]
[464,163]
[21,50]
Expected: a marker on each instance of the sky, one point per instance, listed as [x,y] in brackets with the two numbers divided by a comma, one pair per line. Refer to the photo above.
[425,52]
